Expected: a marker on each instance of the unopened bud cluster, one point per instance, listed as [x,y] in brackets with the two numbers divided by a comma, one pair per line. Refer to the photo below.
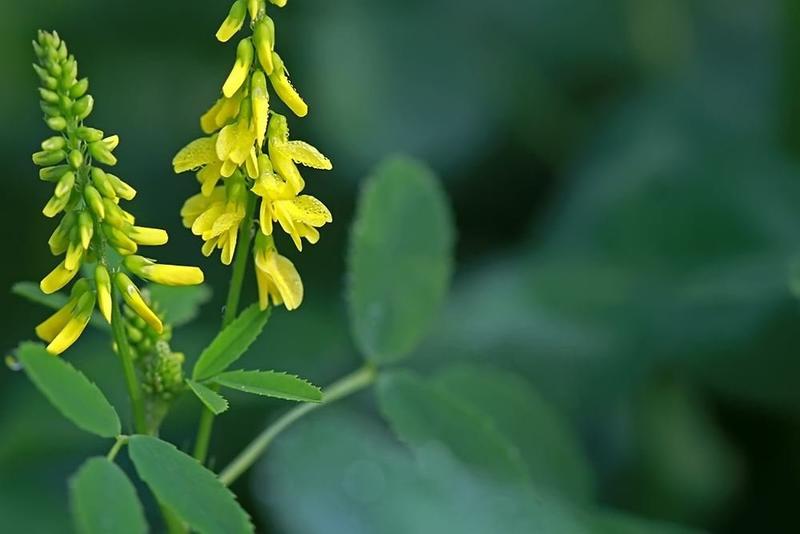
[247,156]
[87,197]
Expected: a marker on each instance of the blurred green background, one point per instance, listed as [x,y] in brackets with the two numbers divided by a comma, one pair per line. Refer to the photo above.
[625,185]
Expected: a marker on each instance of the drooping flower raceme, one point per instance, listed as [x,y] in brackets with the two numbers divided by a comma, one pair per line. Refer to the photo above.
[94,230]
[247,156]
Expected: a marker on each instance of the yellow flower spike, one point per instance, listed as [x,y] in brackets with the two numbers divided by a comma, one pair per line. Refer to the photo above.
[286,91]
[95,201]
[196,155]
[260,105]
[58,278]
[75,326]
[276,276]
[264,39]
[133,298]
[244,59]
[103,282]
[50,327]
[168,275]
[148,236]
[233,22]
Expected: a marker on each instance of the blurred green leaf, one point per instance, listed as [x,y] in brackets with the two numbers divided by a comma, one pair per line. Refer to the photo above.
[381,489]
[104,500]
[69,391]
[542,436]
[31,291]
[231,343]
[619,523]
[420,414]
[180,304]
[400,259]
[271,384]
[212,400]
[188,488]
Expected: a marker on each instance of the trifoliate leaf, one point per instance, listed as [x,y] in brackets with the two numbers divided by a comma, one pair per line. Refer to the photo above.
[78,399]
[212,400]
[31,291]
[271,384]
[400,259]
[193,492]
[231,343]
[104,500]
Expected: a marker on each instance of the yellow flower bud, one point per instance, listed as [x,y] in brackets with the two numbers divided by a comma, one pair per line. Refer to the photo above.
[119,240]
[233,22]
[244,59]
[132,297]
[122,189]
[255,7]
[103,282]
[101,153]
[287,93]
[55,206]
[260,104]
[65,184]
[168,275]
[49,157]
[279,3]
[264,39]
[276,276]
[58,278]
[85,228]
[54,143]
[148,236]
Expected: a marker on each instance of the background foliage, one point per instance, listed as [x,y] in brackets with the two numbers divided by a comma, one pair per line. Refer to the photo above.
[624,182]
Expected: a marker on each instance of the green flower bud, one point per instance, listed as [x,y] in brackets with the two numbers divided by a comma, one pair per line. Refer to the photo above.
[122,189]
[94,201]
[54,143]
[279,3]
[90,135]
[58,124]
[50,110]
[101,153]
[79,89]
[49,157]
[83,106]
[85,228]
[49,96]
[52,174]
[75,159]
[102,183]
[65,184]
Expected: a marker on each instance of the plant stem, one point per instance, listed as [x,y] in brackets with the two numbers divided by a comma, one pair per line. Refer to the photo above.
[343,387]
[206,424]
[124,350]
[121,440]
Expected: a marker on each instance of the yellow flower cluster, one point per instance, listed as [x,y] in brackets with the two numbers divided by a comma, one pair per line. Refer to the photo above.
[247,152]
[94,228]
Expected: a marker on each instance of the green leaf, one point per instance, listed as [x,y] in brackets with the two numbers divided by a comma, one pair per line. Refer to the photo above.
[212,400]
[271,384]
[188,488]
[31,291]
[180,304]
[400,259]
[420,414]
[104,500]
[231,343]
[542,436]
[78,399]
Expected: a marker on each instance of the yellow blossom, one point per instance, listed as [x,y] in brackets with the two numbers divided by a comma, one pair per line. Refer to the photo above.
[168,275]
[276,276]
[216,218]
[133,298]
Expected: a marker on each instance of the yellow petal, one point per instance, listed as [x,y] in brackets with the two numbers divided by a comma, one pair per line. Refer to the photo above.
[58,278]
[233,22]
[244,58]
[75,326]
[103,282]
[309,210]
[283,87]
[49,328]
[260,102]
[143,235]
[196,154]
[305,154]
[132,297]
[286,278]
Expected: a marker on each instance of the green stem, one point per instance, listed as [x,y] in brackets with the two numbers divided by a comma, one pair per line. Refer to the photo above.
[124,350]
[121,440]
[206,424]
[345,386]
